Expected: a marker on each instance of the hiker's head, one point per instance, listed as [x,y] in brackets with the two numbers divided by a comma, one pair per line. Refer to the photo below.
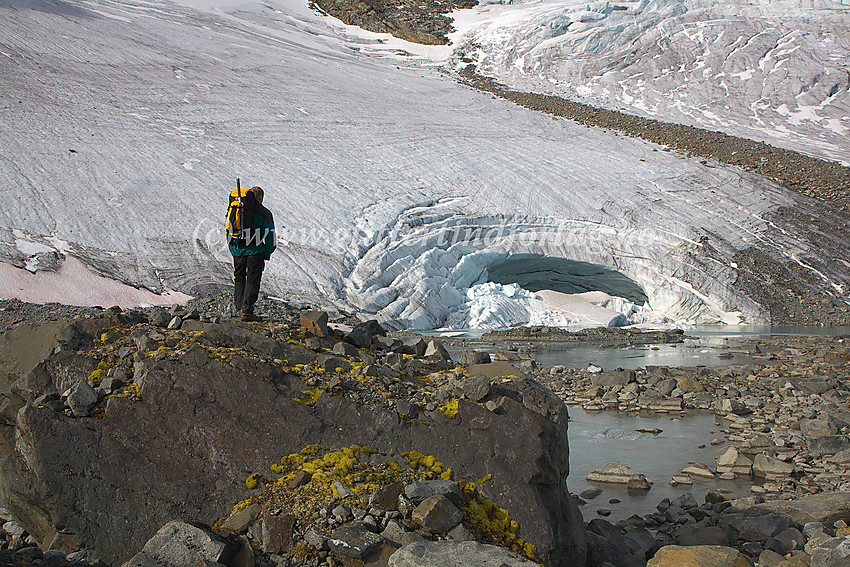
[258,193]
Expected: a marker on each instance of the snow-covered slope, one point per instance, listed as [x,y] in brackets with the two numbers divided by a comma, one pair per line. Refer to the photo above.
[124,123]
[772,70]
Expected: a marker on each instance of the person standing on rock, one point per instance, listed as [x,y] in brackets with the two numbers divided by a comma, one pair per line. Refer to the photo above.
[251,239]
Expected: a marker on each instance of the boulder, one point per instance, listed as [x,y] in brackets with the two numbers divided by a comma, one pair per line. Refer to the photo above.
[731,460]
[56,373]
[641,543]
[768,558]
[437,515]
[330,363]
[613,378]
[386,497]
[343,348]
[698,556]
[495,370]
[689,385]
[815,428]
[834,552]
[456,554]
[602,552]
[662,404]
[242,520]
[771,468]
[470,357]
[386,343]
[702,535]
[475,388]
[423,489]
[436,350]
[732,406]
[354,540]
[201,427]
[415,346]
[360,337]
[809,386]
[755,528]
[786,541]
[698,470]
[159,317]
[315,323]
[610,544]
[829,445]
[82,398]
[277,533]
[178,544]
[825,508]
[618,474]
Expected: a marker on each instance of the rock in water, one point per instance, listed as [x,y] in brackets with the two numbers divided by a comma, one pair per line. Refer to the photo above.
[471,357]
[619,474]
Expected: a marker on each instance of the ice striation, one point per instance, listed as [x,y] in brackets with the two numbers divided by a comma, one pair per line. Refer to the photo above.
[395,189]
[772,71]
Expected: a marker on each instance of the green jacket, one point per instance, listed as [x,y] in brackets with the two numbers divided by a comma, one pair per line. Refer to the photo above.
[260,239]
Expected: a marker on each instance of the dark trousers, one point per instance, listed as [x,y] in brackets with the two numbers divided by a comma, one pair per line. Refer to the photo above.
[247,271]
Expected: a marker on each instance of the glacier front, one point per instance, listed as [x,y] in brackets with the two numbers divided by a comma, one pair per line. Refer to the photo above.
[126,122]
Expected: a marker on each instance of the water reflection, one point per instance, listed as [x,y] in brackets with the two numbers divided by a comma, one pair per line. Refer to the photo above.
[610,436]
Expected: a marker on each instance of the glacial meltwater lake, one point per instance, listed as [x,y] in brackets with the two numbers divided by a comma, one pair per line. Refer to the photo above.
[597,438]
[609,436]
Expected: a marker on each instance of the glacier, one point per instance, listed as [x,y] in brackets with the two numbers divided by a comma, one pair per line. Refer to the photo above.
[124,124]
[771,70]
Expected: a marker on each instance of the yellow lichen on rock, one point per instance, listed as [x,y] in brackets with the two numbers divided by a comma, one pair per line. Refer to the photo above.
[449,409]
[488,522]
[311,397]
[97,373]
[252,481]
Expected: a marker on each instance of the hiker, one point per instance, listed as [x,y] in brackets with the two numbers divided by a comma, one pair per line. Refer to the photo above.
[251,245]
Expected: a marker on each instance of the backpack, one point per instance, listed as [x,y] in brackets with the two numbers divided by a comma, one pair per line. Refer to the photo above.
[240,212]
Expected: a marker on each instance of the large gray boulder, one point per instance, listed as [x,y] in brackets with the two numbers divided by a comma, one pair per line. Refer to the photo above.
[202,427]
[834,552]
[179,544]
[456,554]
[82,398]
[826,508]
[755,528]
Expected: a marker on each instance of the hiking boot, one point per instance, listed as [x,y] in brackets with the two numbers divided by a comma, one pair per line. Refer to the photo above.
[250,317]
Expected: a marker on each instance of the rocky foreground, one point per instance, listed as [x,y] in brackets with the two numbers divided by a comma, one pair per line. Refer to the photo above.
[172,438]
[785,421]
[184,438]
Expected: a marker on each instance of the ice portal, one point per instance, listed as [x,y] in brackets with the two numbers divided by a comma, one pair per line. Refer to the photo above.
[535,272]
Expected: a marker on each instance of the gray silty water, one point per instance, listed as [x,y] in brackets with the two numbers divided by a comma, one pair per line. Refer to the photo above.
[635,356]
[610,436]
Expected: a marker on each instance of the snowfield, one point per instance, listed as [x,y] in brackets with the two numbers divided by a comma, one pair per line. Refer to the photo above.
[125,123]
